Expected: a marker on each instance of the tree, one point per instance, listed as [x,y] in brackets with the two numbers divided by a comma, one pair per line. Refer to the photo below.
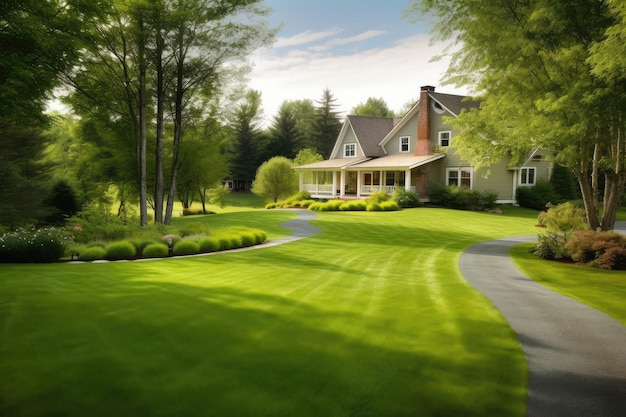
[375,107]
[39,40]
[284,137]
[327,124]
[247,138]
[532,63]
[275,178]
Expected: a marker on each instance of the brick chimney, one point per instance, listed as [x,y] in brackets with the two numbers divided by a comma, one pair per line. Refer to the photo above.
[423,147]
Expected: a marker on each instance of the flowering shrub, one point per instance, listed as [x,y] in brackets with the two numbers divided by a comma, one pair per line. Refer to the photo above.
[33,245]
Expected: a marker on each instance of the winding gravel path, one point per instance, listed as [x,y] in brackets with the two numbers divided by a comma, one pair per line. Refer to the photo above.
[576,354]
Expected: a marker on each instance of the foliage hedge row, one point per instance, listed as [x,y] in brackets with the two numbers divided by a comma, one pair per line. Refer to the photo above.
[461,198]
[50,245]
[378,201]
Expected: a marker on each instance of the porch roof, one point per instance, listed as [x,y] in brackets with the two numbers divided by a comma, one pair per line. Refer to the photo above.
[398,161]
[330,164]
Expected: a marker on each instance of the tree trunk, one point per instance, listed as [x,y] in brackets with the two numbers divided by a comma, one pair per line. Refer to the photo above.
[178,134]
[159,182]
[143,180]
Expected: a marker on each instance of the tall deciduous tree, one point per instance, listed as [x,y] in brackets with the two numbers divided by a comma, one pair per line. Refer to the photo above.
[375,107]
[534,64]
[327,124]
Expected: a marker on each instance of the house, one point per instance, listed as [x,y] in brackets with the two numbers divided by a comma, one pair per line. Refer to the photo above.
[379,154]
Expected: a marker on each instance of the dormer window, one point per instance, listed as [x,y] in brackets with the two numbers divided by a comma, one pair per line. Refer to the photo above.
[404,143]
[444,138]
[349,150]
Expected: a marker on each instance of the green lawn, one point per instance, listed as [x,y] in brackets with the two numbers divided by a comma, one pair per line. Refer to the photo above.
[369,318]
[600,289]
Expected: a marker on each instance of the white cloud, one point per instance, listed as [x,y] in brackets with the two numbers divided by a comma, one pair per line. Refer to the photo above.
[394,73]
[304,38]
[352,39]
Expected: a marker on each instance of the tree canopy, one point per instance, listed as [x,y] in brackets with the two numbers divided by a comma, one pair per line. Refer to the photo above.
[375,107]
[548,74]
[276,178]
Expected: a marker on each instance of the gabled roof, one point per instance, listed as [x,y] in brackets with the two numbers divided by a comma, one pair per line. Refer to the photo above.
[454,104]
[369,130]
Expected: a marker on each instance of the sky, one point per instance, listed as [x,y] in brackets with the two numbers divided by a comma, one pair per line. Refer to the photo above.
[355,48]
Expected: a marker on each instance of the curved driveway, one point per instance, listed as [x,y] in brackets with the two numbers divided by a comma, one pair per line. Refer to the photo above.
[576,355]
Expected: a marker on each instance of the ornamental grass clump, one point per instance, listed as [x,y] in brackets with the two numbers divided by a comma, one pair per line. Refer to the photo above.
[354,205]
[122,250]
[186,247]
[93,253]
[156,250]
[33,245]
[209,244]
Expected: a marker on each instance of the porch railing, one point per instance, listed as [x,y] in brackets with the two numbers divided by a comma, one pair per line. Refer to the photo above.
[369,189]
[319,188]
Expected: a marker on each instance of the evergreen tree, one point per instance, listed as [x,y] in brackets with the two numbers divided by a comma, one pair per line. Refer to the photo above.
[327,124]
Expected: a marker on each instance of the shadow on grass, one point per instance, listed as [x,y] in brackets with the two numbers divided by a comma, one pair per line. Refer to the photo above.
[132,348]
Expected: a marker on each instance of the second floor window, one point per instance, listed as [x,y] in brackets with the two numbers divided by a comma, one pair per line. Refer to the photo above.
[444,138]
[404,144]
[349,150]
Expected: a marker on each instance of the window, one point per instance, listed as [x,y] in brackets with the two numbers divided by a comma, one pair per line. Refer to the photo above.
[527,175]
[444,138]
[461,177]
[349,150]
[404,143]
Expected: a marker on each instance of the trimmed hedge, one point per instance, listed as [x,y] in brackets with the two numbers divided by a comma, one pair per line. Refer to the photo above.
[156,250]
[121,250]
[186,247]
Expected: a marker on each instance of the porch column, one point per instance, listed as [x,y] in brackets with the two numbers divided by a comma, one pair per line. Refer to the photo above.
[334,183]
[317,188]
[407,179]
[300,181]
[342,189]
[358,184]
[514,191]
[380,179]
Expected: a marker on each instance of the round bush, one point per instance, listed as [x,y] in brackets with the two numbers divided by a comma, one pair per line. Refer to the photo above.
[186,247]
[225,243]
[374,207]
[93,253]
[209,244]
[156,250]
[247,239]
[235,241]
[120,250]
[259,235]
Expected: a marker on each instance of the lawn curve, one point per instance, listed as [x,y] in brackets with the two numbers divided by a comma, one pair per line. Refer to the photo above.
[576,354]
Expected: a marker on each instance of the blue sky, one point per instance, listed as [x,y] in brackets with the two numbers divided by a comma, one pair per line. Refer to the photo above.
[356,48]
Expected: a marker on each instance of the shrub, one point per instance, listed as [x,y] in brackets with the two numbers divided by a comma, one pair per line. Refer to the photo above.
[306,203]
[209,244]
[140,245]
[406,199]
[120,250]
[34,245]
[93,253]
[156,250]
[389,206]
[192,211]
[354,205]
[378,197]
[186,247]
[247,239]
[601,249]
[235,241]
[270,206]
[373,206]
[225,243]
[461,198]
[561,222]
[538,196]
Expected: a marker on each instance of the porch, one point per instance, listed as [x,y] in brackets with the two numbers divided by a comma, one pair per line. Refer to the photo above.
[326,190]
